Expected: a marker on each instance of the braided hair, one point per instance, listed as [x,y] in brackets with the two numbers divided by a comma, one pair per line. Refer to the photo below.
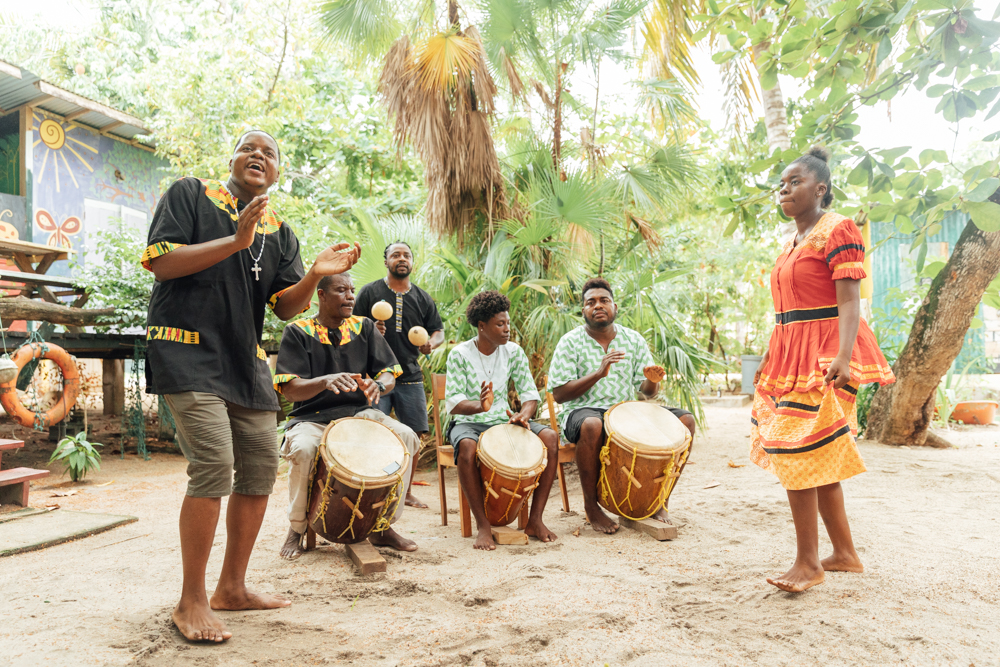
[816,160]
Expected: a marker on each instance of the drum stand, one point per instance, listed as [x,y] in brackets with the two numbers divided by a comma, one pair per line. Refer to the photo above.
[364,556]
[655,529]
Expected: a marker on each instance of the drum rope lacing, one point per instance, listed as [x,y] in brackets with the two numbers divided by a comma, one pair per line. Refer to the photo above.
[667,486]
[489,490]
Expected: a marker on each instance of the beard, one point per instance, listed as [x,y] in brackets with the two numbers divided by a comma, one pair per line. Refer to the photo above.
[599,325]
[400,271]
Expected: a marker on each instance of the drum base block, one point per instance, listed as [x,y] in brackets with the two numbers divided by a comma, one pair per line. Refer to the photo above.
[507,535]
[366,557]
[655,529]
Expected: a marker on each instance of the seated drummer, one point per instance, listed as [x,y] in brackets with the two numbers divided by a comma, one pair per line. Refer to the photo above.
[478,372]
[319,365]
[594,367]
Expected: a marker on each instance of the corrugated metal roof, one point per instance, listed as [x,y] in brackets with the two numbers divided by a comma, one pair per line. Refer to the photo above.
[18,87]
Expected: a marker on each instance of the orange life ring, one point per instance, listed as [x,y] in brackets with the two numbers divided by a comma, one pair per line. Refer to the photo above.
[71,386]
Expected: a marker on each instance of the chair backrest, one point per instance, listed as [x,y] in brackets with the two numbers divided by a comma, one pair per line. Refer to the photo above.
[437,395]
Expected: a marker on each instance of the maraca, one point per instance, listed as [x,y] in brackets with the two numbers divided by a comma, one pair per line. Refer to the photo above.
[418,336]
[382,311]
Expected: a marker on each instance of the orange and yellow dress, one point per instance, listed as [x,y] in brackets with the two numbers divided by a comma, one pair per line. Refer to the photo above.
[804,430]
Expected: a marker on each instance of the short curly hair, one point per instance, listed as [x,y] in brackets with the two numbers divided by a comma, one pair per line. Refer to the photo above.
[485,305]
[596,283]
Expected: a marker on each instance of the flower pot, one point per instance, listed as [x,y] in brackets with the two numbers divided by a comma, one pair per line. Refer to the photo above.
[749,364]
[975,412]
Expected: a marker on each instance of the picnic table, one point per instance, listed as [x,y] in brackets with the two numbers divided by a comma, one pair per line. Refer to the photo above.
[34,260]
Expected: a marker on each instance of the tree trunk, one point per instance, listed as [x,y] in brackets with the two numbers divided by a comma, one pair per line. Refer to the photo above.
[557,123]
[901,413]
[775,116]
[20,308]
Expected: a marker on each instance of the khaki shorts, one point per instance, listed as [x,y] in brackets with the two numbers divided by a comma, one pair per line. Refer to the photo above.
[218,438]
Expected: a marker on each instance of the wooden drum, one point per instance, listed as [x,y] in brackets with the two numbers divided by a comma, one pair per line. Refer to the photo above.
[646,449]
[510,460]
[357,480]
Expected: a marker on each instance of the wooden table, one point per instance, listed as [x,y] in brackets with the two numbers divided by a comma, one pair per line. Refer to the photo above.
[35,259]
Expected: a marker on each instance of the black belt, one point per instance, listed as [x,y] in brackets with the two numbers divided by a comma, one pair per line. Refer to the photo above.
[790,316]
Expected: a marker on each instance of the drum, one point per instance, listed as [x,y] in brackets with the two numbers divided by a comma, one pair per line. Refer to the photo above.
[357,480]
[511,458]
[645,452]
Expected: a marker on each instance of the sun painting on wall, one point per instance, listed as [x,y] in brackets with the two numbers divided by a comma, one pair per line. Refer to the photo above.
[57,142]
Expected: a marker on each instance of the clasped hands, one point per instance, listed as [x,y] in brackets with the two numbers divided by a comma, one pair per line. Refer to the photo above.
[348,382]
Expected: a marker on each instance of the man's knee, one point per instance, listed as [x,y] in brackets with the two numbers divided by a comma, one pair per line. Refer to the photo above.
[689,422]
[550,440]
[467,449]
[591,428]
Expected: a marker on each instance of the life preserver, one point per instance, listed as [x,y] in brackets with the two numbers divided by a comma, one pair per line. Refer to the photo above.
[71,386]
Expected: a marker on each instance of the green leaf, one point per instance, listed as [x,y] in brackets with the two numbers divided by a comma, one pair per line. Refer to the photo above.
[884,49]
[733,224]
[904,224]
[721,57]
[892,154]
[983,191]
[932,269]
[861,174]
[769,77]
[985,214]
[939,89]
[991,137]
[921,256]
[975,323]
[994,111]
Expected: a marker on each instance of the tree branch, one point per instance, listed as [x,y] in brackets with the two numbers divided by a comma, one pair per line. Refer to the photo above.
[20,308]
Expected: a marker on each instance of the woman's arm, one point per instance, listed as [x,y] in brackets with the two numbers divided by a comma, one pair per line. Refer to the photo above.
[848,321]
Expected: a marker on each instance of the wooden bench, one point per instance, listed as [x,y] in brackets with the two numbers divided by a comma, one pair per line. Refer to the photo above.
[14,482]
[34,280]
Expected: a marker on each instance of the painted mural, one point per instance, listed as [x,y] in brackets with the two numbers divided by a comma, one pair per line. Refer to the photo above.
[81,179]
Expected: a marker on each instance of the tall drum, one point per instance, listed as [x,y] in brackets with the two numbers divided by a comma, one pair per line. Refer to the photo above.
[357,480]
[511,458]
[645,452]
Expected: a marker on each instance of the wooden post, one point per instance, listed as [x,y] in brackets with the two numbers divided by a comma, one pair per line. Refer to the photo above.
[114,386]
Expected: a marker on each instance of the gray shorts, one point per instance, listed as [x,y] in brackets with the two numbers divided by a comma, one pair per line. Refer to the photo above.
[410,403]
[459,431]
[218,438]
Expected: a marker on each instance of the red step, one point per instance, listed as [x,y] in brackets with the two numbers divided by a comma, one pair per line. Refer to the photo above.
[10,444]
[14,484]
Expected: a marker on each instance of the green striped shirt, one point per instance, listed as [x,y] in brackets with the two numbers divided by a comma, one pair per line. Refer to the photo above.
[468,369]
[578,355]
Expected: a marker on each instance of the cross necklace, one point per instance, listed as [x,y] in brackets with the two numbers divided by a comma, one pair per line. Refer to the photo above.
[256,267]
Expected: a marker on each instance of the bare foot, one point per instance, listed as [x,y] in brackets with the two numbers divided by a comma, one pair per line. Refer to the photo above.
[292,548]
[390,538]
[599,520]
[413,501]
[798,579]
[661,515]
[245,599]
[484,540]
[842,563]
[198,623]
[536,528]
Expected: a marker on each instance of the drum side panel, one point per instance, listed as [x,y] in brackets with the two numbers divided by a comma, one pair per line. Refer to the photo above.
[330,516]
[511,494]
[633,501]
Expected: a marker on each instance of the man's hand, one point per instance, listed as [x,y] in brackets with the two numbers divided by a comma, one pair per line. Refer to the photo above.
[612,357]
[341,382]
[246,225]
[839,373]
[654,373]
[486,396]
[336,259]
[517,419]
[426,348]
[760,367]
[370,389]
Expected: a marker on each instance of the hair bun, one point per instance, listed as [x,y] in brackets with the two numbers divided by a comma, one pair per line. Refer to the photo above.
[820,152]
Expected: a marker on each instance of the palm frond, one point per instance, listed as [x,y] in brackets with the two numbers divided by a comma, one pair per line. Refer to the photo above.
[742,93]
[367,26]
[443,59]
[668,38]
[605,32]
[670,102]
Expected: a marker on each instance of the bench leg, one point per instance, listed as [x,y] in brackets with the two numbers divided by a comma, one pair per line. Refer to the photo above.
[444,498]
[465,512]
[562,487]
[14,494]
[310,539]
[522,516]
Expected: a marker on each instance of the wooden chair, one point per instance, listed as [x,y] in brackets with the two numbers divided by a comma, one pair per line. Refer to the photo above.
[446,459]
[567,450]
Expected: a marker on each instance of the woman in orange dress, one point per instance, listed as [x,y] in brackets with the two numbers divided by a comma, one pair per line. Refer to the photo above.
[804,413]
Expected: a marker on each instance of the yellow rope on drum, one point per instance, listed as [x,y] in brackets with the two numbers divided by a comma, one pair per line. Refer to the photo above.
[354,513]
[391,501]
[667,486]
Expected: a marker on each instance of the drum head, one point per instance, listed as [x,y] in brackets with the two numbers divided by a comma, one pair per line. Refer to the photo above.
[363,449]
[646,427]
[507,447]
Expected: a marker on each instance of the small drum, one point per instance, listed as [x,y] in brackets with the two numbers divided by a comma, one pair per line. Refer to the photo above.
[645,452]
[357,480]
[510,460]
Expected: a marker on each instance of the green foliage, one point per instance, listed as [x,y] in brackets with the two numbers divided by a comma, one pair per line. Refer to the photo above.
[118,281]
[77,455]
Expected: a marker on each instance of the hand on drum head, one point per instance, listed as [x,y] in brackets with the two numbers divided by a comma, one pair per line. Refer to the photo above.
[518,419]
[486,396]
[341,382]
[612,357]
[370,390]
[654,373]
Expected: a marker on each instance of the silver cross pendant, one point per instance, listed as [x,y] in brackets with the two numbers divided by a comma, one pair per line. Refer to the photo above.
[256,271]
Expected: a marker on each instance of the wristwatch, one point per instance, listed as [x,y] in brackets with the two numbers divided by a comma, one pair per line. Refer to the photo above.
[381,387]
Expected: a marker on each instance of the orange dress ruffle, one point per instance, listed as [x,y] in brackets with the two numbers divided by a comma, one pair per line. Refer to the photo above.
[803,430]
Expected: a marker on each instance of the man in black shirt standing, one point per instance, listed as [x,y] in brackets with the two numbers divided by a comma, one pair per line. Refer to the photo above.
[220,255]
[411,307]
[318,365]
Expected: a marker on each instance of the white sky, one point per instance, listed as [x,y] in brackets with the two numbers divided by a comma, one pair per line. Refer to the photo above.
[912,123]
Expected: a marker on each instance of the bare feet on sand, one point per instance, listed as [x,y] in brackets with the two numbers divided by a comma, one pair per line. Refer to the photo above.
[661,515]
[538,529]
[198,623]
[798,579]
[599,520]
[390,538]
[842,563]
[245,599]
[292,548]
[413,501]
[484,540]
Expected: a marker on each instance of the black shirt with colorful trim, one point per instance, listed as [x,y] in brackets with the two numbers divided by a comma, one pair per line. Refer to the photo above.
[310,350]
[410,309]
[204,330]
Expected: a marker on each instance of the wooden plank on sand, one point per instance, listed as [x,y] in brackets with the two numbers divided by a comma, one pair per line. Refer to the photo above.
[366,557]
[507,535]
[655,529]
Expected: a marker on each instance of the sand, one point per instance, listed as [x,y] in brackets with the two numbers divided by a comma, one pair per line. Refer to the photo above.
[925,521]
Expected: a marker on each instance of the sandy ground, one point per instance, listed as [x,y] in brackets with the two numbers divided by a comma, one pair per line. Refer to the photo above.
[925,522]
